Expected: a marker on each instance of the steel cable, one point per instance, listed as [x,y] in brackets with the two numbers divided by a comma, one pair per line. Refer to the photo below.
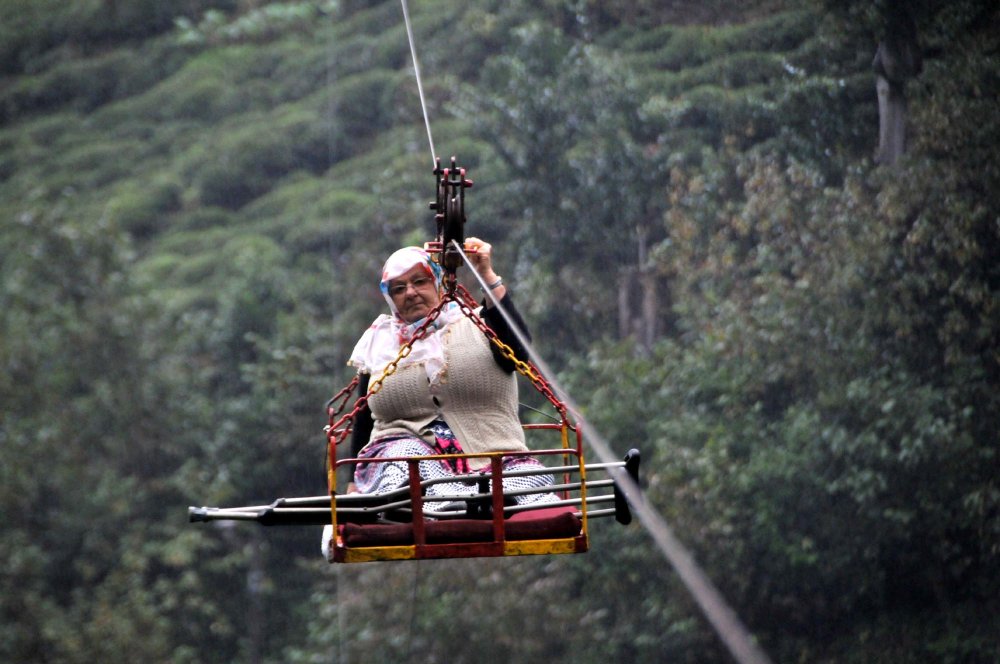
[720,615]
[420,85]
[734,635]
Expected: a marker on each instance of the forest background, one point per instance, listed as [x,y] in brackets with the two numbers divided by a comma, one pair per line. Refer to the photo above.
[685,198]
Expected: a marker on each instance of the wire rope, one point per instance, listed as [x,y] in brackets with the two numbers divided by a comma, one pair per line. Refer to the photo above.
[734,635]
[420,85]
[723,619]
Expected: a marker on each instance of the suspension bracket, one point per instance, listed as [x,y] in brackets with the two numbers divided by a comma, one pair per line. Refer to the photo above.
[449,218]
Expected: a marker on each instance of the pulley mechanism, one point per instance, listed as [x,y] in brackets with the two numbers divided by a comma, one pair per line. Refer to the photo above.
[449,218]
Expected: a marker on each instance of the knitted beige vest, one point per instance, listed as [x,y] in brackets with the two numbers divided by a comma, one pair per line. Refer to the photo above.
[474,396]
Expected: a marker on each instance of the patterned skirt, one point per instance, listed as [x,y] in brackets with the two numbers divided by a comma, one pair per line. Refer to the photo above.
[388,476]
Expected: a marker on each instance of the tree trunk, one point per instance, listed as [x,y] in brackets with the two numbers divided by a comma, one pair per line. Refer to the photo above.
[892,121]
[626,280]
[639,298]
[646,324]
[897,60]
[650,309]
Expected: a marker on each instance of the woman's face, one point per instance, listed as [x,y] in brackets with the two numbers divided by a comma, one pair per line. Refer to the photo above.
[414,293]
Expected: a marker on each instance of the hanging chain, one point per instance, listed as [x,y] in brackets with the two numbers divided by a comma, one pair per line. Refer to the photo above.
[526,369]
[337,431]
[335,406]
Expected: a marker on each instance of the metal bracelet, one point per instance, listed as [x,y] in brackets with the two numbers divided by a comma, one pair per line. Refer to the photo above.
[496,284]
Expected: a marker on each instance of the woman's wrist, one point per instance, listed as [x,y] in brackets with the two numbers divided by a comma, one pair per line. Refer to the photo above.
[492,284]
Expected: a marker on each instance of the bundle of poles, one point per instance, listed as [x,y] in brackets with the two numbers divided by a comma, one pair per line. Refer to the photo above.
[395,506]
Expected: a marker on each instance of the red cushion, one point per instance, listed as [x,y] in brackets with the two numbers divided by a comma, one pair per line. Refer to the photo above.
[551,523]
[372,534]
[454,531]
[541,514]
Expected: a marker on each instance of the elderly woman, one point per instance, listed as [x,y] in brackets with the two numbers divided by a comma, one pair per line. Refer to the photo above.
[453,393]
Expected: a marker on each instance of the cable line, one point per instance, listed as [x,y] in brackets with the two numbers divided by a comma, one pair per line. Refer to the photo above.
[420,85]
[720,615]
[734,635]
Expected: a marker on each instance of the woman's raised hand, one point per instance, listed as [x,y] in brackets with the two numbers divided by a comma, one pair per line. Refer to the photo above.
[482,259]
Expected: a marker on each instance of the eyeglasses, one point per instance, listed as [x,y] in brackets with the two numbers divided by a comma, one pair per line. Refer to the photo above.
[399,288]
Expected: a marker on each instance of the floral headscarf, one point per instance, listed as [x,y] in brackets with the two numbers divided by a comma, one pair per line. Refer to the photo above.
[401,262]
[380,343]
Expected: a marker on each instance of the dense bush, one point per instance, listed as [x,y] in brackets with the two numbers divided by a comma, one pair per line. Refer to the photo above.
[37,35]
[143,212]
[803,344]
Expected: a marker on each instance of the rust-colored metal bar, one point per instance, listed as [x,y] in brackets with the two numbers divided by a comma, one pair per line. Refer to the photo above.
[583,481]
[496,468]
[417,500]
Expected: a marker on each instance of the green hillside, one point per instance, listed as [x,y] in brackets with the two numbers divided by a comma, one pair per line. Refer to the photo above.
[196,197]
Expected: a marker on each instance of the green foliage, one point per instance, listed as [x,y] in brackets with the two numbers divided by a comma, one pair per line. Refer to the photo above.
[257,24]
[36,35]
[87,452]
[141,211]
[196,198]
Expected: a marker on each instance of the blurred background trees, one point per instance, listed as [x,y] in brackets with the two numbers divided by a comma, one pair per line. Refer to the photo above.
[689,201]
